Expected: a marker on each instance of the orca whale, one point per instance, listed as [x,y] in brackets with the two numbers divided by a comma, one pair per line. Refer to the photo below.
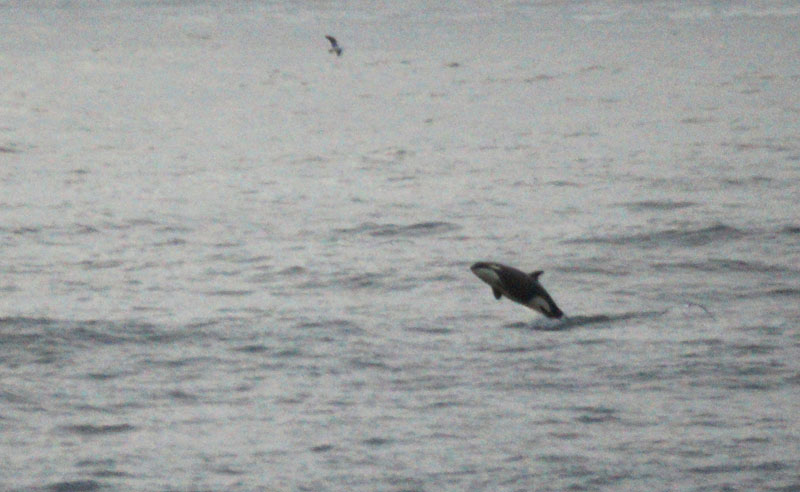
[518,286]
[335,48]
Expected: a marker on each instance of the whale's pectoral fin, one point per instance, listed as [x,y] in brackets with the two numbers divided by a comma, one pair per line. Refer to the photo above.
[536,274]
[497,293]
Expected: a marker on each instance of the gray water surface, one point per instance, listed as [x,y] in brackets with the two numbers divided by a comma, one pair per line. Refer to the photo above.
[232,261]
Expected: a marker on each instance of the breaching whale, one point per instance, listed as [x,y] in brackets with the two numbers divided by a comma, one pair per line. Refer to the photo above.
[518,286]
[335,48]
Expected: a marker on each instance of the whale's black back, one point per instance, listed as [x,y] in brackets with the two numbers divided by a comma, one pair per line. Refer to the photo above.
[518,285]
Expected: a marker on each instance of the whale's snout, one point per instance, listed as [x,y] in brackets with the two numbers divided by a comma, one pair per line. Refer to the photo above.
[485,272]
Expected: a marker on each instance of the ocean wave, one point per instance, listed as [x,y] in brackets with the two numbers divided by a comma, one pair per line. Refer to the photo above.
[720,265]
[75,486]
[580,321]
[394,230]
[593,267]
[93,430]
[669,237]
[657,205]
[595,415]
[9,149]
[45,332]
[293,271]
[784,291]
[353,280]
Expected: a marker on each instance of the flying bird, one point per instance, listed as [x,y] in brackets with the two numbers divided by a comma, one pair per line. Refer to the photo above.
[518,286]
[335,48]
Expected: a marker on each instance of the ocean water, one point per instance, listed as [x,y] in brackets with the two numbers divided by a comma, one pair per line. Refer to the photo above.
[230,260]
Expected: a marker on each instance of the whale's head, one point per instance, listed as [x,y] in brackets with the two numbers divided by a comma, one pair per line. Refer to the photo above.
[488,272]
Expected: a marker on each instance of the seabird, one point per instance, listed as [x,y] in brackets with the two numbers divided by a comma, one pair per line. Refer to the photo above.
[518,286]
[334,46]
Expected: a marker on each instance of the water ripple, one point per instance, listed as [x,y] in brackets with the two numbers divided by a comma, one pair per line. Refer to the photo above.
[393,230]
[94,430]
[670,237]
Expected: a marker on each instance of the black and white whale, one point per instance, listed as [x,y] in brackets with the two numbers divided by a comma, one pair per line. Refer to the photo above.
[518,286]
[335,48]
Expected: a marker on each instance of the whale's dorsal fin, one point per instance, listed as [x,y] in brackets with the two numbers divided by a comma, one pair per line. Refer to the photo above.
[536,274]
[497,293]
